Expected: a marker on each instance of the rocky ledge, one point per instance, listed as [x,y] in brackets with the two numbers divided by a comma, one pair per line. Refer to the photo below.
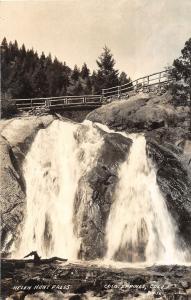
[53,279]
[152,114]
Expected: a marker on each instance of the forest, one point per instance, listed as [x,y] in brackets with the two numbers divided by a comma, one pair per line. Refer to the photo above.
[26,74]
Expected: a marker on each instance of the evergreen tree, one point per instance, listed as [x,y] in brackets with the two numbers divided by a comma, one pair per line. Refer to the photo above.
[123,78]
[4,43]
[85,72]
[86,80]
[106,76]
[4,66]
[181,72]
[39,81]
[87,87]
[23,51]
[75,73]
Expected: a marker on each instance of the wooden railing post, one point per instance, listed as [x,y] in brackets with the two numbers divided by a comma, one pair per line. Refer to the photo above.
[159,78]
[136,86]
[159,85]
[119,91]
[148,82]
[47,103]
[189,106]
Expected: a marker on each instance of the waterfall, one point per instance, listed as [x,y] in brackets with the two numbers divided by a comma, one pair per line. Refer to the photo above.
[139,226]
[59,156]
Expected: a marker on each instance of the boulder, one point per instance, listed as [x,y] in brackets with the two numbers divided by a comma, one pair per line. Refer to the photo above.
[21,131]
[142,112]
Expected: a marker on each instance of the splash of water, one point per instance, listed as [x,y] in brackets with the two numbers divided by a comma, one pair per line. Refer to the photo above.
[139,226]
[59,156]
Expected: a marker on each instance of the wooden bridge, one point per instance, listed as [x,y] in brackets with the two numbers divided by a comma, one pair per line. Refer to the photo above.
[67,102]
[145,84]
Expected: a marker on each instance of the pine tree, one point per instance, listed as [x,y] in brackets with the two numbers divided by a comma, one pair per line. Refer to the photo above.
[106,76]
[86,80]
[23,51]
[85,72]
[4,43]
[75,73]
[39,80]
[181,72]
[4,66]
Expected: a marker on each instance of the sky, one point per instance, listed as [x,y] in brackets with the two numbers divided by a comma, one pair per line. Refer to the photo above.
[144,36]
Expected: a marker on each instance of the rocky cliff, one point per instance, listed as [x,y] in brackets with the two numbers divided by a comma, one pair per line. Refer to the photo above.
[17,135]
[168,146]
[166,129]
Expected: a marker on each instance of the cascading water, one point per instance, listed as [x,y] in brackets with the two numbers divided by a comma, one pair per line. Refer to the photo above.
[139,226]
[59,156]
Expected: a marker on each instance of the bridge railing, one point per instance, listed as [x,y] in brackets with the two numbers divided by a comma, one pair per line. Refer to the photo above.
[54,102]
[159,79]
[156,79]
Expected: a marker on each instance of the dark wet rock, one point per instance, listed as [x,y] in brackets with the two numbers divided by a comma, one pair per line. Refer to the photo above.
[106,283]
[173,178]
[96,190]
[33,281]
[82,289]
[185,284]
[75,297]
[138,280]
[12,195]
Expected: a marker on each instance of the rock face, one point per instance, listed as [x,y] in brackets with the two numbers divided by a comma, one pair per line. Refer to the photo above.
[16,137]
[139,113]
[173,178]
[168,144]
[12,194]
[99,183]
[20,132]
[91,211]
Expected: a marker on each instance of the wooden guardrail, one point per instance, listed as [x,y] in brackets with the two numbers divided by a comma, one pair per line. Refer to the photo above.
[142,83]
[56,102]
[156,79]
